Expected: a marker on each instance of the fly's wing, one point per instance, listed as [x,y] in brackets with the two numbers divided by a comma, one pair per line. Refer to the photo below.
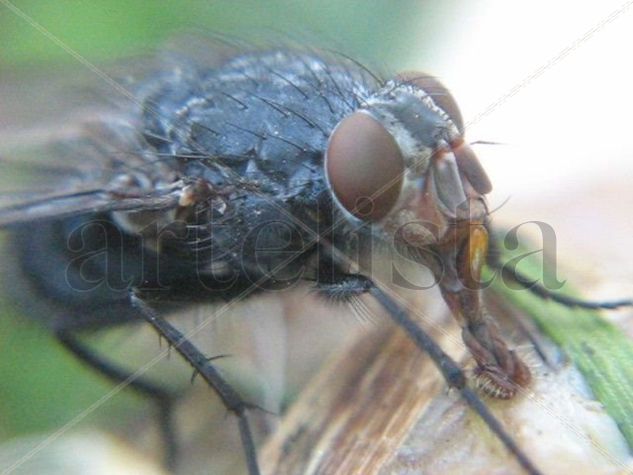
[70,151]
[60,156]
[99,168]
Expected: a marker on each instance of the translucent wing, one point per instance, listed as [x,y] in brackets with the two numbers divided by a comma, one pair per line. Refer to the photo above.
[62,154]
[76,142]
[76,174]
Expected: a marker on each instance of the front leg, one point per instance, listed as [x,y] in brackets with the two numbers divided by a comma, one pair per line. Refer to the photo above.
[500,372]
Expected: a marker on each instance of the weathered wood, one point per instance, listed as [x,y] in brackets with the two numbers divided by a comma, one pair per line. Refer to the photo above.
[381,407]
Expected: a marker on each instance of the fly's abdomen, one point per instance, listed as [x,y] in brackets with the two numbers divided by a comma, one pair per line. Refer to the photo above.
[72,273]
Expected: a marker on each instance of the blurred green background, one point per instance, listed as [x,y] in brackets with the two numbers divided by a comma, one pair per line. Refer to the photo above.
[101,30]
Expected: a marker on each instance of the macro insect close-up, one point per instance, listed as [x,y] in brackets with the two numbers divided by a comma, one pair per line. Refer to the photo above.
[242,253]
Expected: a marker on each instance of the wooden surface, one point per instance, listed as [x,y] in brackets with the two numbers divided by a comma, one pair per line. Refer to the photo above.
[381,407]
[357,411]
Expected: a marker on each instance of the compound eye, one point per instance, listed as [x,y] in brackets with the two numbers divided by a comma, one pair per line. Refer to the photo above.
[364,167]
[441,96]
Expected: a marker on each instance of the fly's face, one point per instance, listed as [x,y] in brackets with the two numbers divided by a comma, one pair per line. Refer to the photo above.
[401,162]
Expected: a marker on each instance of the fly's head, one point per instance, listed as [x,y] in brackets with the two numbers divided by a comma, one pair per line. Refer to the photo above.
[400,163]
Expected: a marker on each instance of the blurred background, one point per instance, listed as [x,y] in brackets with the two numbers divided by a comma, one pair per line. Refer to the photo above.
[549,82]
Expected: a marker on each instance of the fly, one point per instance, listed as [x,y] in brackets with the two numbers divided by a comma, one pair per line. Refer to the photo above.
[263,170]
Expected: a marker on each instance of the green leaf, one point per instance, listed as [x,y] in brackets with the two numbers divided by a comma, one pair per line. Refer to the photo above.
[602,353]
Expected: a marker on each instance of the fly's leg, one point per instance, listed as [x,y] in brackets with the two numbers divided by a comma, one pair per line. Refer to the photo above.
[356,285]
[163,398]
[500,372]
[512,274]
[201,364]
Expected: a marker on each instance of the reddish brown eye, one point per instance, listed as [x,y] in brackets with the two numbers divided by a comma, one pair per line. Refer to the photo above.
[364,167]
[441,96]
